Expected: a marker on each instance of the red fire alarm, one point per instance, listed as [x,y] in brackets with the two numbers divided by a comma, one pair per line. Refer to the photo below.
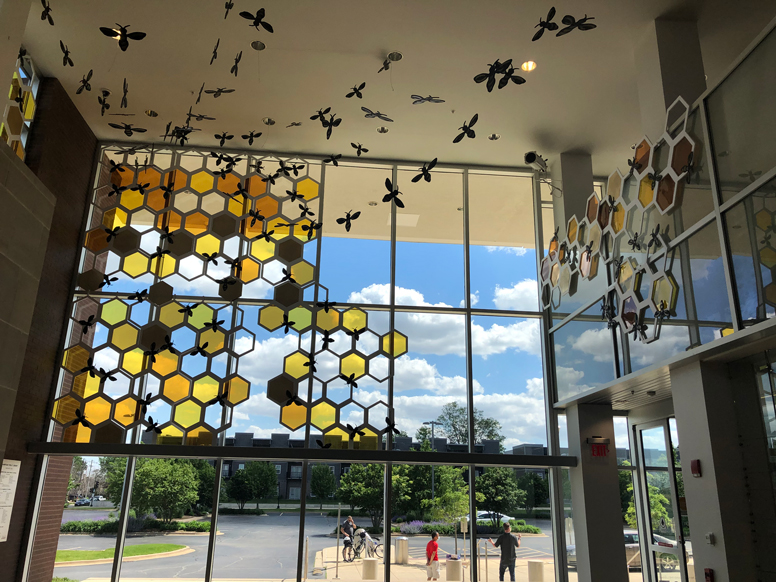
[709,574]
[695,467]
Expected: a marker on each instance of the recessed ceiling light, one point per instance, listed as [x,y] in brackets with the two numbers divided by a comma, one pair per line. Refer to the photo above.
[528,66]
[395,56]
[257,45]
[373,203]
[651,392]
[382,129]
[494,136]
[151,113]
[268,121]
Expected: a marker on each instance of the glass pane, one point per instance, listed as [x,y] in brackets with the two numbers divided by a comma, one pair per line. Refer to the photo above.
[568,525]
[667,566]
[630,524]
[250,523]
[750,227]
[429,240]
[742,121]
[661,509]
[622,441]
[508,386]
[174,496]
[654,447]
[502,243]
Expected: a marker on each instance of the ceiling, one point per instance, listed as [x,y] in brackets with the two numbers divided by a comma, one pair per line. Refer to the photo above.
[581,97]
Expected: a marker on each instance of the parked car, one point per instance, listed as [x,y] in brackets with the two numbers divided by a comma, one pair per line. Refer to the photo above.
[81,502]
[491,516]
[633,551]
[98,498]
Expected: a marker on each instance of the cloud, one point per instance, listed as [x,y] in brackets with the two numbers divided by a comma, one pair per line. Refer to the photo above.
[474,298]
[521,296]
[518,251]
[594,342]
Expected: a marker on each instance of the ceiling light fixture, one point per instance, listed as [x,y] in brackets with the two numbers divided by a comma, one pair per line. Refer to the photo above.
[268,121]
[373,203]
[394,56]
[494,136]
[151,113]
[382,129]
[257,45]
[460,209]
[528,66]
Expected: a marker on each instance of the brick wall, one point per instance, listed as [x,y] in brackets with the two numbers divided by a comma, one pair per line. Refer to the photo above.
[61,152]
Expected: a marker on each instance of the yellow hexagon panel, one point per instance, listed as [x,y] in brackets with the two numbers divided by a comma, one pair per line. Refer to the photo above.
[169,219]
[322,416]
[131,199]
[96,240]
[354,318]
[327,321]
[124,336]
[163,266]
[135,264]
[302,234]
[201,437]
[270,317]
[133,362]
[294,365]
[113,311]
[263,249]
[555,274]
[205,389]
[282,228]
[293,416]
[156,201]
[303,272]
[75,358]
[170,316]
[770,293]
[125,411]
[307,188]
[200,316]
[166,363]
[149,176]
[302,318]
[572,230]
[213,338]
[228,184]
[249,271]
[399,344]
[353,364]
[114,217]
[237,390]
[202,182]
[176,179]
[665,290]
[97,410]
[208,244]
[764,219]
[197,223]
[187,413]
[646,192]
[171,435]
[238,206]
[618,217]
[768,257]
[77,434]
[84,385]
[176,388]
[64,409]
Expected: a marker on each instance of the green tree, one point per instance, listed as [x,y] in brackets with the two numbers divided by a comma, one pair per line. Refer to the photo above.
[626,490]
[423,436]
[263,479]
[537,490]
[77,470]
[114,468]
[322,482]
[168,487]
[451,496]
[657,507]
[363,487]
[500,492]
[240,488]
[455,425]
[206,474]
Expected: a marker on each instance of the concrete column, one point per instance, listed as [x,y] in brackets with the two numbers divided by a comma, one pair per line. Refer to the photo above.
[573,174]
[13,21]
[669,64]
[705,404]
[595,497]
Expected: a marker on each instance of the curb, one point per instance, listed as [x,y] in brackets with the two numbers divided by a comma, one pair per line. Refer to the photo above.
[181,552]
[142,534]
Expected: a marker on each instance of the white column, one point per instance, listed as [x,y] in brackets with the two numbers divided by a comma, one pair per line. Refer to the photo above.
[573,174]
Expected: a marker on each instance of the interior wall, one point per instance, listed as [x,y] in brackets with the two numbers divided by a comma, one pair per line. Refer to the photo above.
[61,152]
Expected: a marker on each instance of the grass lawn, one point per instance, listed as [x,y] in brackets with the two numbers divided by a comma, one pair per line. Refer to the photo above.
[63,580]
[137,550]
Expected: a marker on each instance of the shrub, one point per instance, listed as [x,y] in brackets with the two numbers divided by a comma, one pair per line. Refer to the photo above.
[411,527]
[518,526]
[347,512]
[134,525]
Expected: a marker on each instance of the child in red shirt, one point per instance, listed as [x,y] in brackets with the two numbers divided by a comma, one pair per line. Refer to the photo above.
[432,557]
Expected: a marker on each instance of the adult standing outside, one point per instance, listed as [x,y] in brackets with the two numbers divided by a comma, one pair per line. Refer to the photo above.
[432,557]
[508,543]
[348,529]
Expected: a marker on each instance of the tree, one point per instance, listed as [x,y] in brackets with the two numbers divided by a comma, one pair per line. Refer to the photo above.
[168,487]
[626,490]
[322,482]
[114,468]
[423,436]
[263,479]
[207,477]
[657,508]
[451,498]
[240,488]
[76,473]
[537,490]
[363,487]
[455,425]
[500,491]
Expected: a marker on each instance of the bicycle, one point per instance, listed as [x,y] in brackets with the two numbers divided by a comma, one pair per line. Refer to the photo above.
[364,542]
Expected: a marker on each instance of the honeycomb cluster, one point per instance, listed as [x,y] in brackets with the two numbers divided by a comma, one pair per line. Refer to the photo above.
[19,110]
[167,364]
[613,232]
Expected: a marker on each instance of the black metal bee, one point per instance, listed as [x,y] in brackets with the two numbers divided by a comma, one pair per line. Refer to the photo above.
[332,159]
[139,295]
[287,276]
[355,333]
[236,64]
[331,123]
[634,166]
[545,25]
[350,380]
[766,240]
[211,258]
[223,138]
[228,6]
[654,238]
[425,171]
[142,187]
[359,149]
[571,23]
[369,114]
[466,129]
[89,368]
[266,235]
[200,350]
[256,216]
[127,128]
[169,345]
[218,91]
[66,60]
[122,34]
[494,68]
[391,426]
[214,323]
[348,218]
[356,91]
[689,168]
[151,353]
[633,242]
[654,179]
[258,20]
[106,281]
[751,174]
[159,252]
[80,418]
[509,75]
[293,399]
[325,338]
[386,65]
[46,14]
[322,445]
[294,195]
[287,324]
[311,228]
[417,99]
[86,324]
[251,135]
[271,178]
[152,426]
[221,398]
[103,101]
[215,51]
[123,104]
[639,331]
[226,282]
[116,189]
[354,430]
[198,116]
[326,305]
[393,194]
[85,85]
[321,116]
[112,232]
[663,312]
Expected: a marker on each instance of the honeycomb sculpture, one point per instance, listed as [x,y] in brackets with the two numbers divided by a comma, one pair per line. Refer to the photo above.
[615,226]
[144,363]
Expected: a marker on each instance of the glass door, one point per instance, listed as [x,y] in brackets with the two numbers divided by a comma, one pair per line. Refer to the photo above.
[665,530]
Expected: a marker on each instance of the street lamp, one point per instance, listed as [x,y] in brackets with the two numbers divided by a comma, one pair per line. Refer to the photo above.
[432,423]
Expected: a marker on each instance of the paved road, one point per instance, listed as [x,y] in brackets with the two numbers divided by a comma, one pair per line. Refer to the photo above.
[250,547]
[85,514]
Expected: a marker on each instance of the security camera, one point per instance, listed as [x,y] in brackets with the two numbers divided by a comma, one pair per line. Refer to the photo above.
[536,161]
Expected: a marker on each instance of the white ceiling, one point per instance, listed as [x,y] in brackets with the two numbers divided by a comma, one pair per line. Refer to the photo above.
[582,96]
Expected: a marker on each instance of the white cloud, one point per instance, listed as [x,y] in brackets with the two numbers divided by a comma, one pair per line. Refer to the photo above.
[474,298]
[594,342]
[521,296]
[518,251]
